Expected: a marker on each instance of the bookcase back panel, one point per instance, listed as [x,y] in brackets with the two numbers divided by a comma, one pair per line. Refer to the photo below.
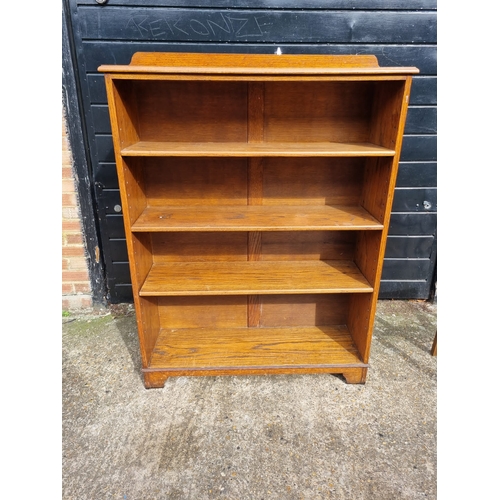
[190,111]
[224,181]
[303,310]
[233,246]
[195,181]
[199,246]
[308,245]
[203,312]
[312,181]
[292,111]
[317,111]
[232,311]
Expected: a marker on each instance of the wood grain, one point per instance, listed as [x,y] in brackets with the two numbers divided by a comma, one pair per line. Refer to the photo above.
[227,61]
[262,277]
[353,374]
[254,347]
[255,189]
[139,246]
[309,64]
[318,112]
[257,193]
[149,324]
[367,254]
[304,310]
[132,178]
[195,181]
[191,111]
[388,102]
[243,149]
[360,321]
[313,181]
[122,113]
[255,218]
[198,246]
[309,245]
[228,311]
[255,103]
[376,186]
[434,348]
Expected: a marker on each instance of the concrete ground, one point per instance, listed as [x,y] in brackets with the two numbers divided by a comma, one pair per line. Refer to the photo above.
[269,437]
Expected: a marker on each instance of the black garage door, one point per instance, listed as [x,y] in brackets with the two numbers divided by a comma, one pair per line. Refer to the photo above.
[398,32]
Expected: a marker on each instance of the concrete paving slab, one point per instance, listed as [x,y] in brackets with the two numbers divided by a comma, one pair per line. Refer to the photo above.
[263,437]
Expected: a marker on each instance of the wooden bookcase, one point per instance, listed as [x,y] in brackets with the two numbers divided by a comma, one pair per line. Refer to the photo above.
[256,194]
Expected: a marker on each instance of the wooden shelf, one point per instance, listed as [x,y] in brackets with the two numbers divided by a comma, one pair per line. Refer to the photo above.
[254,277]
[221,349]
[255,218]
[265,149]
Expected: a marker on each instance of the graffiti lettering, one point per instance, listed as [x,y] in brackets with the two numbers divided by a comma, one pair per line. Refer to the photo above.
[218,26]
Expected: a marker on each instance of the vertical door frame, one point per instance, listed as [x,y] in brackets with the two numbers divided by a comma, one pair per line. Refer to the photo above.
[81,162]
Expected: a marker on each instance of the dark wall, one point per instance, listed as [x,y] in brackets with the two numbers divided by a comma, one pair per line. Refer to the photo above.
[398,32]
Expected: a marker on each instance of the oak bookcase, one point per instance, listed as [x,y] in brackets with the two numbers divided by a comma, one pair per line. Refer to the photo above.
[256,195]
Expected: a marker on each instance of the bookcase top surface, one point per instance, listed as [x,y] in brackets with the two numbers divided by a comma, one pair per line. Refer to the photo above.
[254,64]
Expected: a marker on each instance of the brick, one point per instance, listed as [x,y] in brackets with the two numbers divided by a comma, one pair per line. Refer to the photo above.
[68,186]
[73,251]
[81,287]
[67,174]
[73,276]
[71,225]
[70,213]
[77,264]
[74,238]
[69,200]
[66,158]
[76,302]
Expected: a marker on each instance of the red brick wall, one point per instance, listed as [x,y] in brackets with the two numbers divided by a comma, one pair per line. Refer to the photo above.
[76,292]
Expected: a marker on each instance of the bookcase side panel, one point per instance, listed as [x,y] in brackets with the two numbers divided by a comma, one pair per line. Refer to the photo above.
[146,308]
[133,196]
[388,120]
[376,185]
[359,322]
[123,117]
[388,104]
[123,112]
[148,322]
